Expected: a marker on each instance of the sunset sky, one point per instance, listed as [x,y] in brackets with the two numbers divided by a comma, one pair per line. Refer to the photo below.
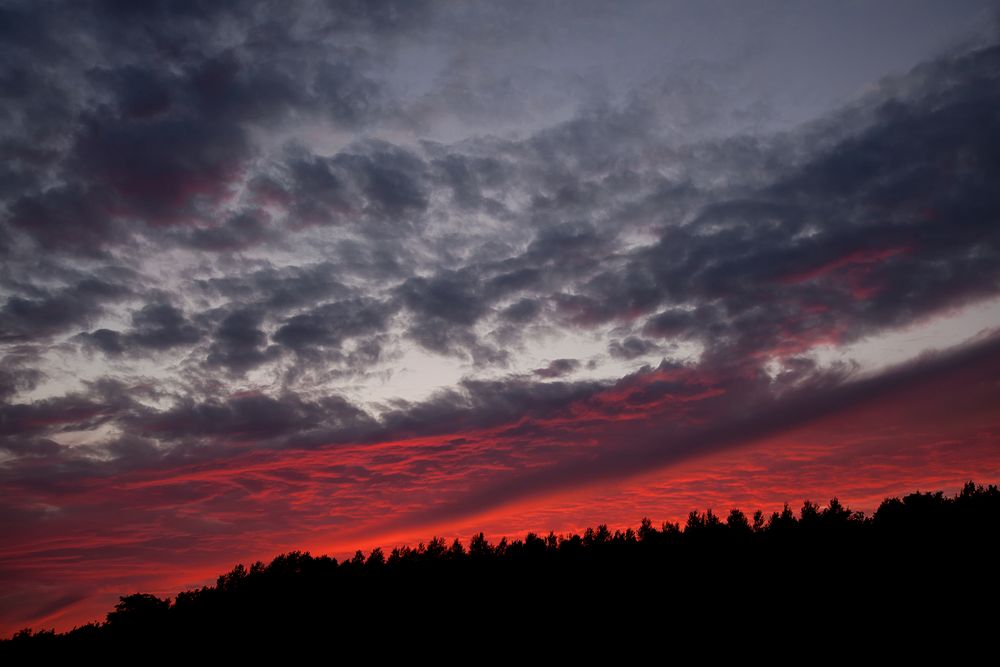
[337,275]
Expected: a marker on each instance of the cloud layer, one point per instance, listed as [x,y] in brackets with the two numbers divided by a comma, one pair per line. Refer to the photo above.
[276,275]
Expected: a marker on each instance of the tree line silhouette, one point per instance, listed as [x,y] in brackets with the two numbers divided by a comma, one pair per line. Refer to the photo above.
[926,558]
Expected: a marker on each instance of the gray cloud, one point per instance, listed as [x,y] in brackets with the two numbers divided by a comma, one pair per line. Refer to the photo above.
[329,325]
[46,312]
[631,347]
[155,327]
[558,368]
[239,343]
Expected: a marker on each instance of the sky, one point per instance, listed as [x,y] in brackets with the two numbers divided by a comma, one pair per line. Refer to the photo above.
[338,275]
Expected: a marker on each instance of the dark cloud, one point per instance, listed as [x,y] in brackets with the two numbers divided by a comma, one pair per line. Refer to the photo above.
[152,128]
[512,282]
[379,187]
[381,16]
[107,341]
[558,368]
[348,97]
[239,343]
[161,170]
[775,269]
[631,347]
[329,325]
[277,289]
[867,226]
[138,92]
[475,182]
[66,219]
[522,311]
[101,402]
[162,326]
[241,419]
[155,327]
[449,297]
[47,312]
[886,226]
[444,310]
[225,87]
[685,323]
[241,231]
[476,404]
[15,379]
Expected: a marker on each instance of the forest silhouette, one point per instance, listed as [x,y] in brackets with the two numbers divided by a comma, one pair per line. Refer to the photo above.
[921,563]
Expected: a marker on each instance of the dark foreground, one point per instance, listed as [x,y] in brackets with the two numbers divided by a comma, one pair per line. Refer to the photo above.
[921,572]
